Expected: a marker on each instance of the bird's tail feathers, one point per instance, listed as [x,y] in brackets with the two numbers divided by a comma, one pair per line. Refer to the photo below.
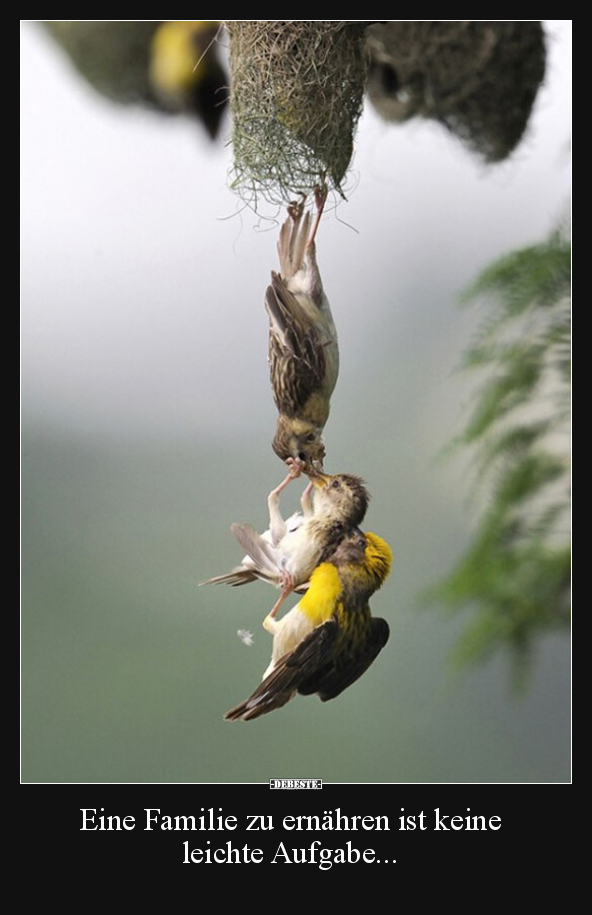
[257,705]
[273,692]
[293,241]
[235,577]
[284,681]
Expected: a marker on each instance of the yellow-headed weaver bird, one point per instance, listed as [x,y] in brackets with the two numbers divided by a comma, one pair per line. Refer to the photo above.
[330,638]
[287,557]
[186,73]
[303,348]
[172,67]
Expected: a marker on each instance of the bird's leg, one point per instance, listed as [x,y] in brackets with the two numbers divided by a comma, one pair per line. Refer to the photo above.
[277,525]
[288,584]
[320,194]
[306,500]
[315,284]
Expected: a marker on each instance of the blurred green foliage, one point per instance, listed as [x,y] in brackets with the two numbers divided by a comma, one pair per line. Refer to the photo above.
[515,575]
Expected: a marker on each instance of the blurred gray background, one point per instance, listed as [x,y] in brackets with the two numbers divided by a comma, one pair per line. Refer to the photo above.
[146,426]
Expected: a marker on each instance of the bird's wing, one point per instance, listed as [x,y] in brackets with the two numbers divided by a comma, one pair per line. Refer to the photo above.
[249,570]
[290,671]
[345,668]
[258,548]
[296,349]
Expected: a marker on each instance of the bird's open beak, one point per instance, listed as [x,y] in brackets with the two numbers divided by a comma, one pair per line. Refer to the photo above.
[317,478]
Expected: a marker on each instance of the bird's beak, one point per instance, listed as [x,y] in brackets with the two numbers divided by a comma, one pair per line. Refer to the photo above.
[318,479]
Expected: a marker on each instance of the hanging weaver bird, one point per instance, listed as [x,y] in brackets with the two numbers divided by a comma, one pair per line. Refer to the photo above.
[303,349]
[186,73]
[287,554]
[330,638]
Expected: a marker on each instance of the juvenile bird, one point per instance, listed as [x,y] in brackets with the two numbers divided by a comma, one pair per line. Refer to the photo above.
[264,546]
[303,348]
[340,504]
[287,554]
[330,638]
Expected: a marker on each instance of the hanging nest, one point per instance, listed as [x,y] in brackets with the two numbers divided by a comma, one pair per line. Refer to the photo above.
[479,79]
[296,97]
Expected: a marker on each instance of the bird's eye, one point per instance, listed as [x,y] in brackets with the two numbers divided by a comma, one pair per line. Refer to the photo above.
[335,484]
[302,455]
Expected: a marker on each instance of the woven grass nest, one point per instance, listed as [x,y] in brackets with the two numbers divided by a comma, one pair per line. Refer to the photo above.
[298,89]
[478,78]
[297,94]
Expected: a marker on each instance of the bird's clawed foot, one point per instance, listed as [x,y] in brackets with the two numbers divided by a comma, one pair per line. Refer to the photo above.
[295,466]
[296,207]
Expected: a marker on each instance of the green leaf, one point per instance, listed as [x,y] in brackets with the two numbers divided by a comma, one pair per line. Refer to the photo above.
[514,577]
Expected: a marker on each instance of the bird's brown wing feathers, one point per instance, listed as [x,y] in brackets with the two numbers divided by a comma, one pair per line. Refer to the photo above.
[296,351]
[291,670]
[339,673]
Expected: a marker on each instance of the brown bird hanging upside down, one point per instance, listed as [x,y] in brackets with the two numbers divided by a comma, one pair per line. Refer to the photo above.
[303,348]
[330,638]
